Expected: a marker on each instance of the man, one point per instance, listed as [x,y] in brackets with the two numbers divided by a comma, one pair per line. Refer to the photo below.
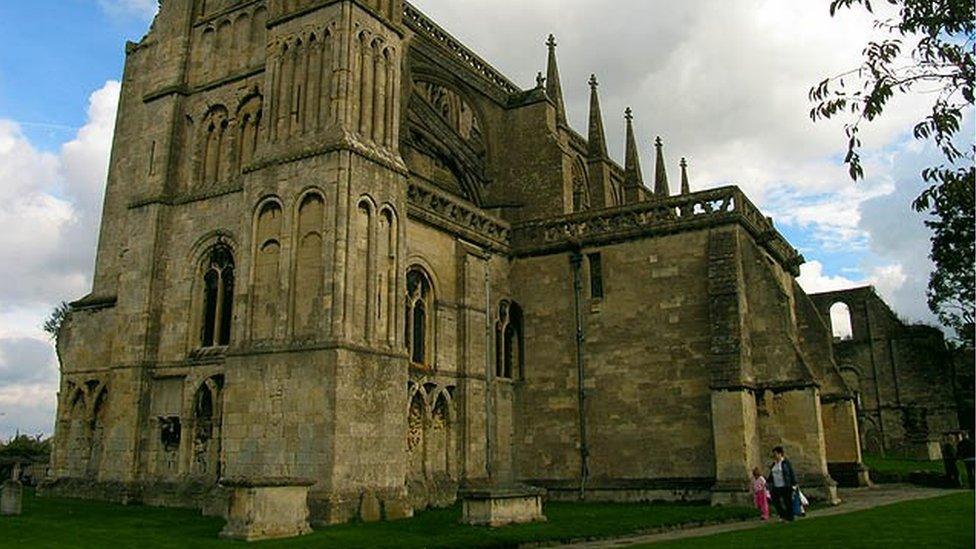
[949,460]
[967,453]
[782,483]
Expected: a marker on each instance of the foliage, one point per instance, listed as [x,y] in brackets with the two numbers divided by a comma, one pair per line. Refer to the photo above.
[942,64]
[951,289]
[36,448]
[940,522]
[52,522]
[53,323]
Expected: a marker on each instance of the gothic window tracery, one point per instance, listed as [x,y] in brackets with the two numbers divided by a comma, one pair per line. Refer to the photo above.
[218,296]
[456,111]
[581,188]
[419,307]
[206,428]
[509,343]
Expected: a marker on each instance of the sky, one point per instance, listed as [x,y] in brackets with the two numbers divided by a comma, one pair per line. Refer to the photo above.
[724,83]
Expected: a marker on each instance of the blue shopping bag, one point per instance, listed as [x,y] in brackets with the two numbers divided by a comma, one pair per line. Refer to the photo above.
[798,509]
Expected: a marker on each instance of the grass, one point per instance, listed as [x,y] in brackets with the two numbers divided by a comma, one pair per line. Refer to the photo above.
[945,522]
[52,522]
[903,466]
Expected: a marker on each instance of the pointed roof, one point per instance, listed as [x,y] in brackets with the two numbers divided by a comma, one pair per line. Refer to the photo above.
[633,177]
[597,137]
[660,171]
[685,186]
[554,87]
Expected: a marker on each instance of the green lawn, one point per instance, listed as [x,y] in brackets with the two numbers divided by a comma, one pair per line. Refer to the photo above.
[49,522]
[945,522]
[903,466]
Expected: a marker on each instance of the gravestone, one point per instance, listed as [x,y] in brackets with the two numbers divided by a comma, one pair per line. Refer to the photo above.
[11,498]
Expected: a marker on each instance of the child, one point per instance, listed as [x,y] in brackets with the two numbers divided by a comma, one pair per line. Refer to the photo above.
[759,493]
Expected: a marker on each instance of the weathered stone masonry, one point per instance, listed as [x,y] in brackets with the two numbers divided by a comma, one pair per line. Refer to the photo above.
[337,245]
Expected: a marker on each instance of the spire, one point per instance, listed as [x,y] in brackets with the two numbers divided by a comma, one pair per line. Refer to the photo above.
[554,88]
[685,186]
[632,168]
[597,137]
[660,172]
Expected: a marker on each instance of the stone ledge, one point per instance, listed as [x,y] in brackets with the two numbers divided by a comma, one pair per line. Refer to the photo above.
[266,482]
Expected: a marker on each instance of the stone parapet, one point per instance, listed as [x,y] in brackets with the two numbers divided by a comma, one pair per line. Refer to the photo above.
[659,216]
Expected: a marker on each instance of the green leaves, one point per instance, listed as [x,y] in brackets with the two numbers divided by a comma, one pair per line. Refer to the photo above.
[942,65]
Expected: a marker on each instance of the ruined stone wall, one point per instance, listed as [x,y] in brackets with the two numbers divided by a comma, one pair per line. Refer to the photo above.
[902,375]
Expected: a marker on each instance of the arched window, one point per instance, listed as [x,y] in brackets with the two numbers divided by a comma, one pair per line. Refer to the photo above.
[509,344]
[581,190]
[419,302]
[218,296]
[206,427]
[840,321]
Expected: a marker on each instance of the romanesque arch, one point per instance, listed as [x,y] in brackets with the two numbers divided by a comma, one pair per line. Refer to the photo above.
[362,268]
[387,274]
[308,303]
[214,147]
[267,264]
[840,321]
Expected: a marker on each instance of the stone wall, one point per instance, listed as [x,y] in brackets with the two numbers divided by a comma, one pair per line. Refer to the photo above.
[902,375]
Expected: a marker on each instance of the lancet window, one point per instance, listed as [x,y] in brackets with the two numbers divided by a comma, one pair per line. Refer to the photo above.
[218,296]
[420,301]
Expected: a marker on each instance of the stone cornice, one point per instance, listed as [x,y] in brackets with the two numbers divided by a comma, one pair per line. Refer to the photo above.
[440,209]
[722,206]
[419,23]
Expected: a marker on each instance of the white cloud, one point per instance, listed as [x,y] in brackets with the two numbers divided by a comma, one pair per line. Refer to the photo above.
[813,280]
[144,9]
[50,206]
[726,84]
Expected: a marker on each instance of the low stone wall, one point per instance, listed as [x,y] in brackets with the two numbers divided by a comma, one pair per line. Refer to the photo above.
[501,506]
[262,509]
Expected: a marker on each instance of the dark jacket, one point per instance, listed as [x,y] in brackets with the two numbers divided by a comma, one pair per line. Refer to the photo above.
[788,474]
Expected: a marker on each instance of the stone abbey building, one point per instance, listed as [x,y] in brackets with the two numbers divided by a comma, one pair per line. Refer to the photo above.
[339,246]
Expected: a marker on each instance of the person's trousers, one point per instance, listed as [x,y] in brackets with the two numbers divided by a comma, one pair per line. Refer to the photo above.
[783,501]
[952,472]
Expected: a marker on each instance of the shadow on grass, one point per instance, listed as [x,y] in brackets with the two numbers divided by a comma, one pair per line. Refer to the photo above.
[55,522]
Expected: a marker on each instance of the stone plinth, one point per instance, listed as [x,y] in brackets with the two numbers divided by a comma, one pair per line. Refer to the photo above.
[11,498]
[499,506]
[261,509]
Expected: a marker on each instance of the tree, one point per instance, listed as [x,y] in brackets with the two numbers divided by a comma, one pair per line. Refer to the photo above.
[53,323]
[941,64]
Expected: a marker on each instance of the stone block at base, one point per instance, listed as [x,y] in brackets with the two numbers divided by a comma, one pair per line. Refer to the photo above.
[11,498]
[261,509]
[499,506]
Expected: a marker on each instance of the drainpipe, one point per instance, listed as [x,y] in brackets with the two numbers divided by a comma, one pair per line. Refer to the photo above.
[489,371]
[576,261]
